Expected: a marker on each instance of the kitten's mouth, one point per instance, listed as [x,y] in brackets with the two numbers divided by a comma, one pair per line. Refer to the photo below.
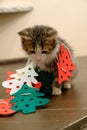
[38,60]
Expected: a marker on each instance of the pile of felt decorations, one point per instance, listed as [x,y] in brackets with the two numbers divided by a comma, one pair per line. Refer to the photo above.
[27,87]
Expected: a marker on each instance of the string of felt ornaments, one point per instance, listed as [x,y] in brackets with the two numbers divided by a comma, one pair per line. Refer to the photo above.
[27,87]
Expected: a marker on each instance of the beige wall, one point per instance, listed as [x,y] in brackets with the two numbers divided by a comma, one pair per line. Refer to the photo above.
[69,17]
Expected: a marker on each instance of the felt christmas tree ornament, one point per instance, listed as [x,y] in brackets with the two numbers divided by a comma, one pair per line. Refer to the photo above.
[27,71]
[16,84]
[27,99]
[23,76]
[65,65]
[5,107]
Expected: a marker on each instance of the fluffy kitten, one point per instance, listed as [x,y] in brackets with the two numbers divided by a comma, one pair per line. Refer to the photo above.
[42,45]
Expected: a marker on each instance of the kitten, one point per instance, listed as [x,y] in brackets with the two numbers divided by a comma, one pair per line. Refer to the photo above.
[42,45]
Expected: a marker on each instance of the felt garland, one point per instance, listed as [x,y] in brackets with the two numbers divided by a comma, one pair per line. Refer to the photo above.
[27,85]
[19,82]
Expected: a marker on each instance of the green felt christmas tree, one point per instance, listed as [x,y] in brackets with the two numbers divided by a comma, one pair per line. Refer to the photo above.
[27,99]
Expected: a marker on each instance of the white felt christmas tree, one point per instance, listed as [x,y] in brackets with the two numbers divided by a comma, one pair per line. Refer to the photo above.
[22,76]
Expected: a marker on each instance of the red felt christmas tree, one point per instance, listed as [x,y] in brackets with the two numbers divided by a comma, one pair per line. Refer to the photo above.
[8,78]
[65,65]
[5,107]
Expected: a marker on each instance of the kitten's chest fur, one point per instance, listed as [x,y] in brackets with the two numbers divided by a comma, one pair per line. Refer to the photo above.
[46,66]
[49,64]
[42,66]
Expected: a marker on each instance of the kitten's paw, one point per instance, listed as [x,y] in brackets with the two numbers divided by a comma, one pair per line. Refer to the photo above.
[56,91]
[67,85]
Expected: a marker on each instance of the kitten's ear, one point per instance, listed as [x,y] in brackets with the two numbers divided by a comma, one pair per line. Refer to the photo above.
[24,34]
[52,33]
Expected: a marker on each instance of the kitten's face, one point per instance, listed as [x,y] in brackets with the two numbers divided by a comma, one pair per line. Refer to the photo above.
[39,42]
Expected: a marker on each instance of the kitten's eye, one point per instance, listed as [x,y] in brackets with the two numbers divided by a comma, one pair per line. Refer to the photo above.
[44,52]
[33,52]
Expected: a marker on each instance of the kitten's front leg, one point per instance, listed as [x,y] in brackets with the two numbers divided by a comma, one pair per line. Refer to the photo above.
[56,88]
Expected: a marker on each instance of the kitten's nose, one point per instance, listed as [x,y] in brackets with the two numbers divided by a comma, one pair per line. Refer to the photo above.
[38,59]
